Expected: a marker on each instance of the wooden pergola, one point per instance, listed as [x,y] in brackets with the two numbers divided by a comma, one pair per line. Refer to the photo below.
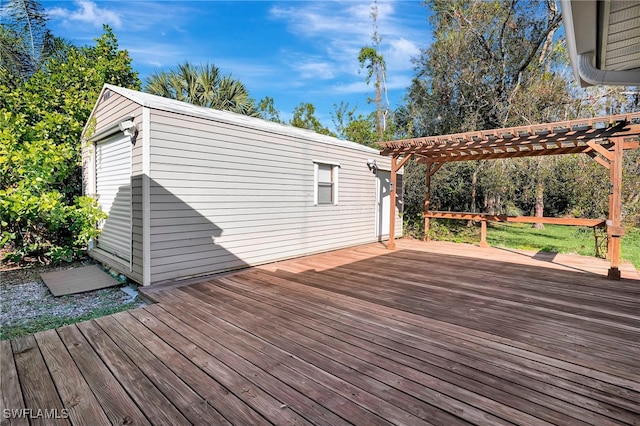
[602,138]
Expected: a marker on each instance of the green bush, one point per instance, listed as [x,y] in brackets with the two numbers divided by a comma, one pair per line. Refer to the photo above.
[42,212]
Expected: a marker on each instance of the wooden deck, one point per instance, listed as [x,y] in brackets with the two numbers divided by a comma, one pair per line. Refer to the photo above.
[431,333]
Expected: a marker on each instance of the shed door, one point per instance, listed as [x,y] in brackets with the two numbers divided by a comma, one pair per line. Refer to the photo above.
[113,189]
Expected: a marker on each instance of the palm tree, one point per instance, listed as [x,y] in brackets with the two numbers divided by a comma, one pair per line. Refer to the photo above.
[25,41]
[203,85]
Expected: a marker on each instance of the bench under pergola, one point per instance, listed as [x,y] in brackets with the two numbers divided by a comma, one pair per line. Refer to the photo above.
[602,138]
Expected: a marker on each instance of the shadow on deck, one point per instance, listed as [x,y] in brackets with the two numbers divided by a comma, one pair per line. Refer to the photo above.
[432,333]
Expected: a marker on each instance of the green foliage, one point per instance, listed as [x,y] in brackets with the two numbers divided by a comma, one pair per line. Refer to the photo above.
[413,182]
[43,214]
[485,56]
[372,61]
[203,85]
[631,247]
[631,188]
[354,127]
[494,64]
[268,110]
[304,117]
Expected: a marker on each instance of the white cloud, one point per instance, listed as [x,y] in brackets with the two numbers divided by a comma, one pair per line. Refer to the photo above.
[87,12]
[399,53]
[338,30]
[157,55]
[350,88]
[314,70]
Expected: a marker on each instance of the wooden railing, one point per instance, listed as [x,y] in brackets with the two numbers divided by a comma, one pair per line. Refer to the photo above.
[483,218]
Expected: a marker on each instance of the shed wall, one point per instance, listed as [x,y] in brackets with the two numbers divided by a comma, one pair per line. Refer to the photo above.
[109,110]
[225,196]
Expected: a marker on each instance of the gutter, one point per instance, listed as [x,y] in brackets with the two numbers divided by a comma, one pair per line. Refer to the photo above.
[594,76]
[570,37]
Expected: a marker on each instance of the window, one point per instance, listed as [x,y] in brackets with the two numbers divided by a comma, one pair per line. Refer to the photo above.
[326,183]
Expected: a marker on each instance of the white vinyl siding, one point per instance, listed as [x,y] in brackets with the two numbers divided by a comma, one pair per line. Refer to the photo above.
[113,186]
[225,196]
[211,191]
[109,110]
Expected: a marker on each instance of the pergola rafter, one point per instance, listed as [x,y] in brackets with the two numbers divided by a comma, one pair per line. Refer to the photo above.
[602,138]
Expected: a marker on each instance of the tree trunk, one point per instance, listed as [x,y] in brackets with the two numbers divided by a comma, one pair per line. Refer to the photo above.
[539,203]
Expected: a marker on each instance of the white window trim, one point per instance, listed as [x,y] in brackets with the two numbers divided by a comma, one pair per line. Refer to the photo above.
[335,167]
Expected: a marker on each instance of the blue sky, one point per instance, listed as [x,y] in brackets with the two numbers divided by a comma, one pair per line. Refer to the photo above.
[292,51]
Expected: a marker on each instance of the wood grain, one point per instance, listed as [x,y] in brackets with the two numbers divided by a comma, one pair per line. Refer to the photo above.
[74,391]
[431,333]
[38,390]
[10,393]
[156,407]
[116,403]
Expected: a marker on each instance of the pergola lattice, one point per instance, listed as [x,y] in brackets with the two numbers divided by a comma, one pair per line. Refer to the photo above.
[602,138]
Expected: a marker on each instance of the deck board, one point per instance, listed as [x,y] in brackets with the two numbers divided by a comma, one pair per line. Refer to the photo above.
[431,333]
[38,389]
[72,387]
[11,398]
[116,403]
[464,372]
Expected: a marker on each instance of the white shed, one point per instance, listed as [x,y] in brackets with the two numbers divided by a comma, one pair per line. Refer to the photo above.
[192,191]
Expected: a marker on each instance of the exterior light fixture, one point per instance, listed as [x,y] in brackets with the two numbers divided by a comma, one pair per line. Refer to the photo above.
[129,129]
[372,165]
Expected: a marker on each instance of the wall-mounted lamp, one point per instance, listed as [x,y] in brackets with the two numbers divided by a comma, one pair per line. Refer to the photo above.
[372,165]
[129,129]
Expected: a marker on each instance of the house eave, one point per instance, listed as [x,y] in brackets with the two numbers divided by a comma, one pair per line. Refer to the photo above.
[585,32]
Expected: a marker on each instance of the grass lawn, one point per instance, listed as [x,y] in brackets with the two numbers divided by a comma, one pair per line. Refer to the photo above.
[553,238]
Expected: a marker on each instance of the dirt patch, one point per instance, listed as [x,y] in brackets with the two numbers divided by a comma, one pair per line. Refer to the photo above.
[27,306]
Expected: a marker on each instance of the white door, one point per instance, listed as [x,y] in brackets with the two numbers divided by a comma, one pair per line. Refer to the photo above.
[384,201]
[113,190]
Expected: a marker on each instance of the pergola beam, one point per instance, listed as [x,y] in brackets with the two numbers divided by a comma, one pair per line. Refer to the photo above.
[602,138]
[577,130]
[441,157]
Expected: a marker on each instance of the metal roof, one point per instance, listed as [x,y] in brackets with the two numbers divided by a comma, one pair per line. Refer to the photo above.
[179,107]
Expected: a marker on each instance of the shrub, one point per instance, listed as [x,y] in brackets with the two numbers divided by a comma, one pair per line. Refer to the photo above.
[42,212]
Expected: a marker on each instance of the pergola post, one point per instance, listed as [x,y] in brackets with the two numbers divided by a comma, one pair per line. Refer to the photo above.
[392,203]
[432,168]
[614,225]
[483,233]
[427,202]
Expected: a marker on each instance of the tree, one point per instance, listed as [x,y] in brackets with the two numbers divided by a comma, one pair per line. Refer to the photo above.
[25,41]
[203,85]
[42,210]
[304,117]
[492,64]
[354,127]
[483,54]
[370,58]
[268,110]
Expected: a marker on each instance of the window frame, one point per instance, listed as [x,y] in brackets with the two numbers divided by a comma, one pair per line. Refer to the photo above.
[335,167]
